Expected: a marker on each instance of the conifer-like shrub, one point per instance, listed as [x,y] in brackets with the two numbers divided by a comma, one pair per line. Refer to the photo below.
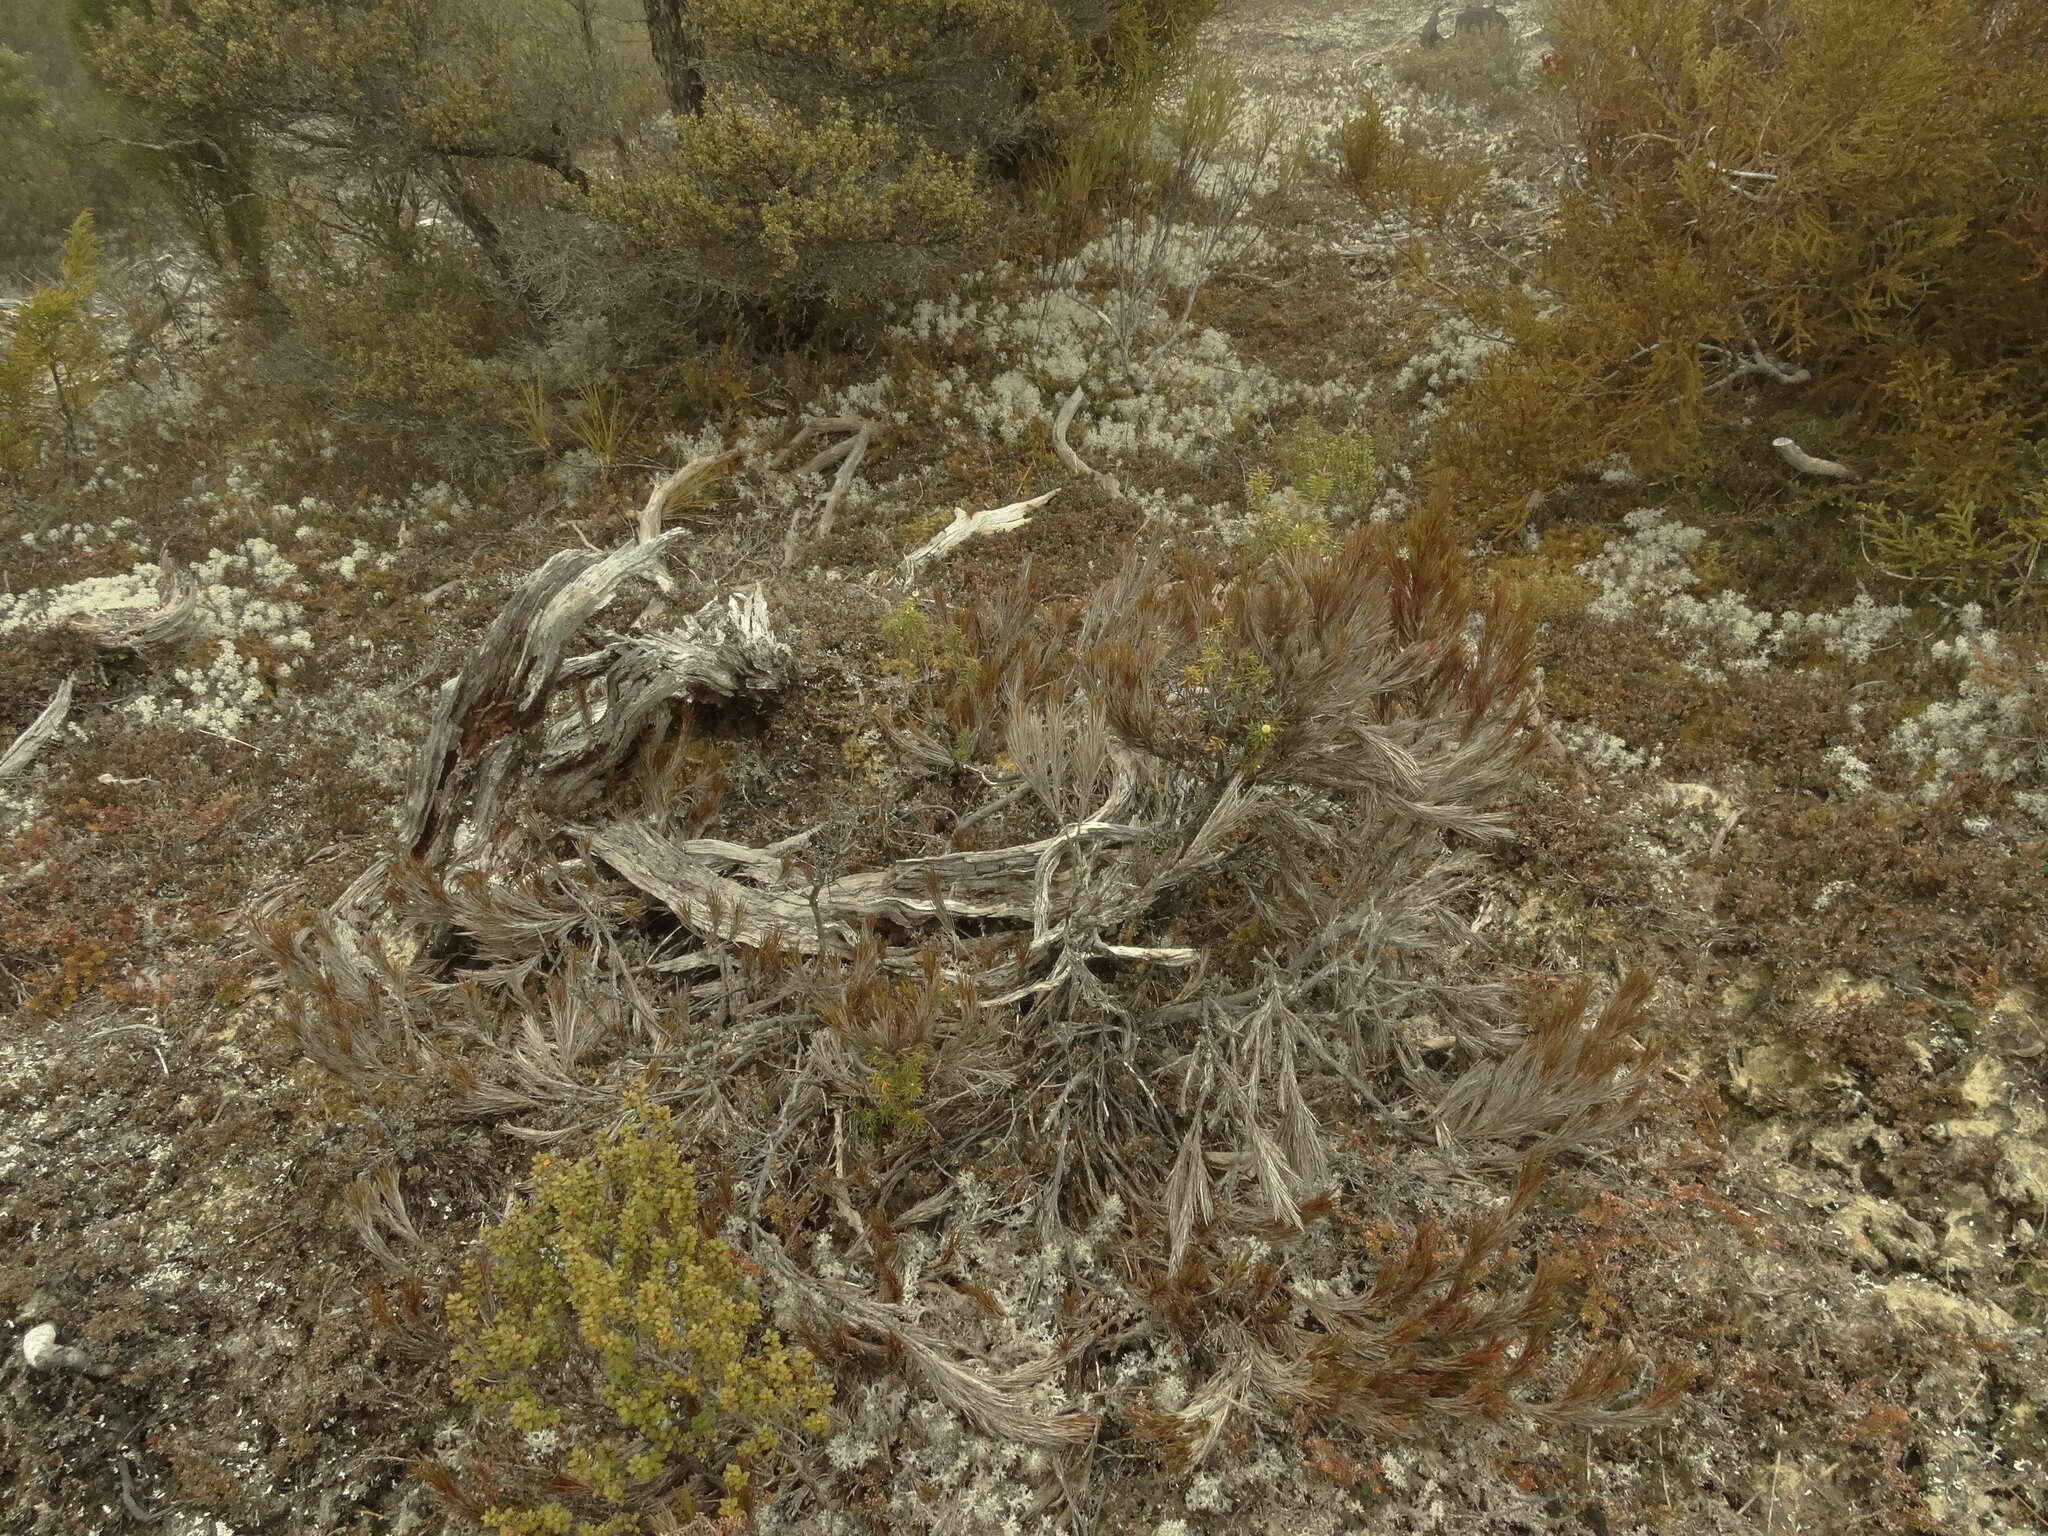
[1387,170]
[617,1341]
[1839,206]
[53,362]
[771,200]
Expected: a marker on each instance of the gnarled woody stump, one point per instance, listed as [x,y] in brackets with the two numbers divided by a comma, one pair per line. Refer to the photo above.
[1216,1011]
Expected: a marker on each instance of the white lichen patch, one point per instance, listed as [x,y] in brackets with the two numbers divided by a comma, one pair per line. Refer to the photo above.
[214,685]
[1992,727]
[1154,382]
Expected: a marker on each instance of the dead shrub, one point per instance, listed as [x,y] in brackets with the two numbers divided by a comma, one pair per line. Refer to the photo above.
[1166,1052]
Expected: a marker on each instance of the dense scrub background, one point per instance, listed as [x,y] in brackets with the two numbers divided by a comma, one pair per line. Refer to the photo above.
[1200,771]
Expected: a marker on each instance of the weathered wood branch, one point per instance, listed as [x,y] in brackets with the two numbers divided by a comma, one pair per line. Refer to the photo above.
[173,620]
[664,495]
[479,724]
[1067,456]
[767,901]
[40,733]
[1807,464]
[726,650]
[970,525]
[848,454]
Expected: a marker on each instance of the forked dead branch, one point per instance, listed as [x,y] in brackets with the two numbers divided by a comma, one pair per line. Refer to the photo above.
[1208,1004]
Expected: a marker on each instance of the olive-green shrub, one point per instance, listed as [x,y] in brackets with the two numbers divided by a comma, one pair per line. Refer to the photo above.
[619,1339]
[811,150]
[1833,205]
[848,153]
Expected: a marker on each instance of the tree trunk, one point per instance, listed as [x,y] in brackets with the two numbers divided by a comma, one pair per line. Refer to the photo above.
[678,54]
[491,241]
[224,175]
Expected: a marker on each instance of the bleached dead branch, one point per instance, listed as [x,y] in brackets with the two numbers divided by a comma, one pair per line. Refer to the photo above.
[172,621]
[41,731]
[664,495]
[970,525]
[1807,464]
[1772,368]
[480,727]
[848,454]
[727,649]
[1755,362]
[1067,456]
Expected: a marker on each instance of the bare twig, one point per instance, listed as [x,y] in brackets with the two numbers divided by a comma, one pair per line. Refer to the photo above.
[848,454]
[1066,453]
[970,525]
[1807,464]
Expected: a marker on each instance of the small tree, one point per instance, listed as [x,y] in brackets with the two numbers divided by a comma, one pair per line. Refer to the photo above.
[847,153]
[53,364]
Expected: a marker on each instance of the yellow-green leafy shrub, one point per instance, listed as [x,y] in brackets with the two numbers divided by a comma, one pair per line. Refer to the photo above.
[1839,204]
[1330,467]
[848,153]
[401,339]
[612,1331]
[766,199]
[822,150]
[50,171]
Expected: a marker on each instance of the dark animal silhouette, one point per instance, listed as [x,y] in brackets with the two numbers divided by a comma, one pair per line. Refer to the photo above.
[1474,18]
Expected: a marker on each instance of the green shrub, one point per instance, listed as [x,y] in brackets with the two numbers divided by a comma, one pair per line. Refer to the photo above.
[769,201]
[822,151]
[1385,170]
[1330,467]
[30,141]
[398,341]
[1483,65]
[849,153]
[53,363]
[611,1329]
[1839,203]
[1283,522]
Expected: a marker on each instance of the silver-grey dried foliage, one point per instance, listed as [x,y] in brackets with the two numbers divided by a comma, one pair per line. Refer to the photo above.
[1130,1073]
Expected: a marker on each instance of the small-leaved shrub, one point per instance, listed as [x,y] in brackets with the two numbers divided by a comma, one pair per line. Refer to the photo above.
[53,363]
[1337,468]
[1480,65]
[1389,171]
[612,1330]
[1836,205]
